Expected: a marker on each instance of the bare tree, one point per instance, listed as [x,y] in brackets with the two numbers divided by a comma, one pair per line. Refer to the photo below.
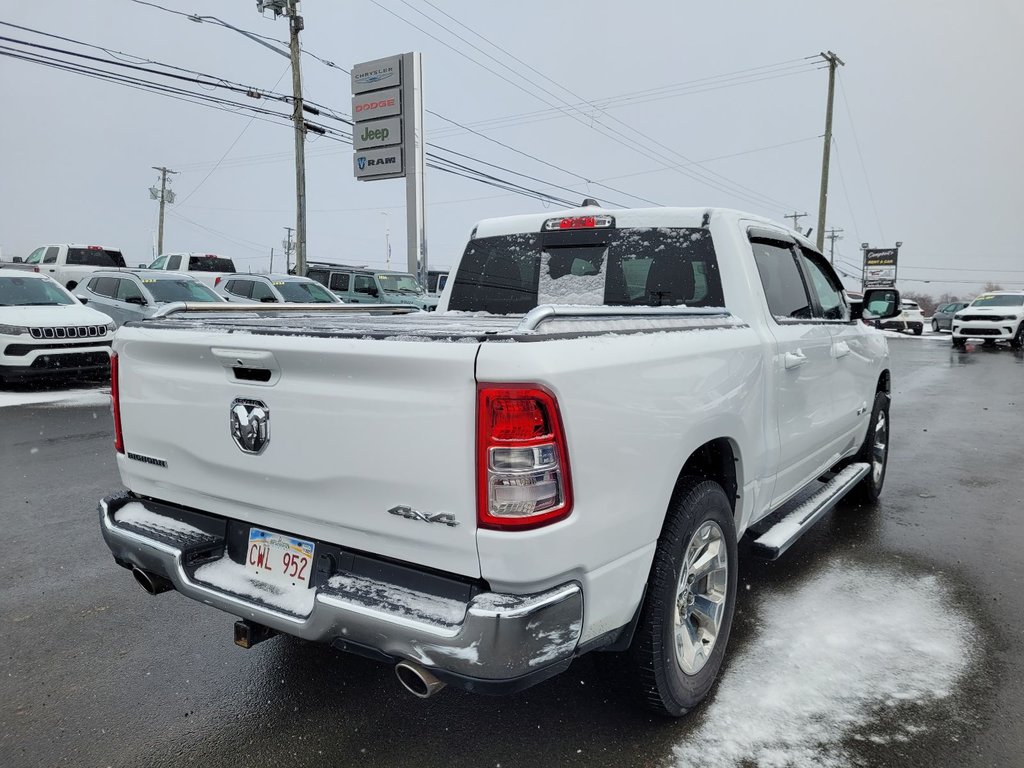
[925,300]
[990,286]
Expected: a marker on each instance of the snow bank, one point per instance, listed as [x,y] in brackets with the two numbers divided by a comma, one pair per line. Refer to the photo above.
[67,398]
[830,657]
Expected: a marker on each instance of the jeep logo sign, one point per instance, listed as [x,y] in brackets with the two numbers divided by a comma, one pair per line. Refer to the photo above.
[377,133]
[374,163]
[369,106]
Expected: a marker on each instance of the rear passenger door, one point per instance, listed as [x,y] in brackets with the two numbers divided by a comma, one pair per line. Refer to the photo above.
[130,299]
[103,297]
[802,365]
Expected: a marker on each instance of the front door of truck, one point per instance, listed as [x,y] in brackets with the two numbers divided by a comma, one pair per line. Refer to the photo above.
[802,367]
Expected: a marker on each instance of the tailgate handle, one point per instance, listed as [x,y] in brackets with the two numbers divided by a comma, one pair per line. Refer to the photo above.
[253,366]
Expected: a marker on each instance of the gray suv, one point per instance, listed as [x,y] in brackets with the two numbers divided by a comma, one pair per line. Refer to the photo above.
[125,295]
[361,285]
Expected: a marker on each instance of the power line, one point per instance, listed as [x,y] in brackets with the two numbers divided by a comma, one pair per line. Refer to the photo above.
[863,167]
[706,177]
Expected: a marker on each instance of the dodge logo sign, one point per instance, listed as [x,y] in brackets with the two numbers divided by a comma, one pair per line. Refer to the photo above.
[250,425]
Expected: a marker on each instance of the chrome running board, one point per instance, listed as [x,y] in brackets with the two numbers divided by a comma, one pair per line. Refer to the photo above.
[784,533]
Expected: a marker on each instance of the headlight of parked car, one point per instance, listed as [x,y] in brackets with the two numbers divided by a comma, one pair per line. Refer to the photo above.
[111,327]
[13,330]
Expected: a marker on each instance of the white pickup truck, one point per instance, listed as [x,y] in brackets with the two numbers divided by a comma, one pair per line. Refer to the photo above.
[559,461]
[208,268]
[69,264]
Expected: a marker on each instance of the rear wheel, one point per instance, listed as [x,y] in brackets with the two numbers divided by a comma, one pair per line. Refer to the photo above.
[875,452]
[918,329]
[935,326]
[687,614]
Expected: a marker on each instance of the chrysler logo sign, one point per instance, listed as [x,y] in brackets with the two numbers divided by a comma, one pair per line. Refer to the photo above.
[250,425]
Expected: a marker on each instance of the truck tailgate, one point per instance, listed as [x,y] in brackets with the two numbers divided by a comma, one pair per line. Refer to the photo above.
[357,427]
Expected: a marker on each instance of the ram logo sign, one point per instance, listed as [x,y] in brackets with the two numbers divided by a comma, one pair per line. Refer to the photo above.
[250,425]
[374,163]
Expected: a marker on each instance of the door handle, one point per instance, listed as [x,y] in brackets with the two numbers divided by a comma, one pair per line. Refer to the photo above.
[795,359]
[840,349]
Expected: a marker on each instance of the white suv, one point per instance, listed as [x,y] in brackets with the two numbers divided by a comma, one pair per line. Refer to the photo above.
[992,316]
[910,318]
[45,330]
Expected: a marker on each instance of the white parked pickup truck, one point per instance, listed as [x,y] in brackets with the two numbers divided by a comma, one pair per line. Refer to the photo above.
[208,268]
[559,461]
[69,264]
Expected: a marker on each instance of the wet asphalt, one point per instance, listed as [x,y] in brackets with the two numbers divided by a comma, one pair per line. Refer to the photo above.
[94,672]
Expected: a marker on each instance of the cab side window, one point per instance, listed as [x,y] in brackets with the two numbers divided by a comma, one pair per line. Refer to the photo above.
[261,292]
[174,262]
[365,284]
[241,288]
[35,256]
[104,286]
[159,263]
[783,284]
[51,255]
[129,290]
[339,281]
[831,304]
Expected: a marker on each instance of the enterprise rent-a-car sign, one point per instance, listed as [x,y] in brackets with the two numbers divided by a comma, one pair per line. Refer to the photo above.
[377,105]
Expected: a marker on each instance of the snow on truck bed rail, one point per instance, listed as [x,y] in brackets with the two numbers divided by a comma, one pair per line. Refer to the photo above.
[466,327]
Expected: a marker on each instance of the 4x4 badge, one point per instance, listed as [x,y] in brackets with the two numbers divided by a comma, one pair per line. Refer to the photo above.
[445,518]
[250,424]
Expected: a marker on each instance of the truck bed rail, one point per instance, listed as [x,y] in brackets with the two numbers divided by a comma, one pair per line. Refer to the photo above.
[539,315]
[210,306]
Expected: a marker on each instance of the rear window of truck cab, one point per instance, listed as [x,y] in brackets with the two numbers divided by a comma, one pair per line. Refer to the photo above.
[658,266]
[94,257]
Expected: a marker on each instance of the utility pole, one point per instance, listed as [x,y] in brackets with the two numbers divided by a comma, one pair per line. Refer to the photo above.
[833,235]
[290,8]
[165,195]
[796,219]
[271,260]
[288,245]
[833,62]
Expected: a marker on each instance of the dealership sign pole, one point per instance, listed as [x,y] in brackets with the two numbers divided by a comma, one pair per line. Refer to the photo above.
[387,135]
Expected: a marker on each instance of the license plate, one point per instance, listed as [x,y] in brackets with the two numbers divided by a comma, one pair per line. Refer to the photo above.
[279,559]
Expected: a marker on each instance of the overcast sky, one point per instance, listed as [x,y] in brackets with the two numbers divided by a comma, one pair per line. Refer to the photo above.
[927,125]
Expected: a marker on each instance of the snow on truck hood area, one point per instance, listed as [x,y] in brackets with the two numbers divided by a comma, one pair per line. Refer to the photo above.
[854,649]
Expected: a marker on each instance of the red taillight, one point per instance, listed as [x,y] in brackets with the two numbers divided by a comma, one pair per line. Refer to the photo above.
[95,247]
[522,459]
[35,269]
[115,402]
[216,282]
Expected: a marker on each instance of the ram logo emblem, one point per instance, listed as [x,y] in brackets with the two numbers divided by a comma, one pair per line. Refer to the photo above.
[250,425]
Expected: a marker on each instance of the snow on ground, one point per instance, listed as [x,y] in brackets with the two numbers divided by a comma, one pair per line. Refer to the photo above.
[831,656]
[66,398]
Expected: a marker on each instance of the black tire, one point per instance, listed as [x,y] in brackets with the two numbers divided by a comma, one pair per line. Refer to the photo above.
[869,488]
[935,326]
[959,343]
[655,673]
[1018,338]
[918,330]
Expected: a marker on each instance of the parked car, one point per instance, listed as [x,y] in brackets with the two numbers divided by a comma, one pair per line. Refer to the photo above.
[992,316]
[910,318]
[205,267]
[137,294]
[271,289]
[436,279]
[69,264]
[942,318]
[360,285]
[45,330]
[630,392]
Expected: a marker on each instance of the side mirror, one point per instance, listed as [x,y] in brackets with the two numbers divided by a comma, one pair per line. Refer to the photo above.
[16,260]
[142,266]
[880,304]
[138,300]
[81,298]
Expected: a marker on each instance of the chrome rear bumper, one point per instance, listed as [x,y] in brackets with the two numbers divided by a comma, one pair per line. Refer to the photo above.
[500,638]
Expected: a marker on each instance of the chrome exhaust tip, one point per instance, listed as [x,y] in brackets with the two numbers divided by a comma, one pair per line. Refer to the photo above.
[417,680]
[151,582]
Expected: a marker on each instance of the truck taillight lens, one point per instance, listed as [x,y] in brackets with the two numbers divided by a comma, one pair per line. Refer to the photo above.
[522,461]
[115,402]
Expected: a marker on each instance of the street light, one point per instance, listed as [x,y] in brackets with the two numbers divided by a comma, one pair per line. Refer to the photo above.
[200,19]
[387,237]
